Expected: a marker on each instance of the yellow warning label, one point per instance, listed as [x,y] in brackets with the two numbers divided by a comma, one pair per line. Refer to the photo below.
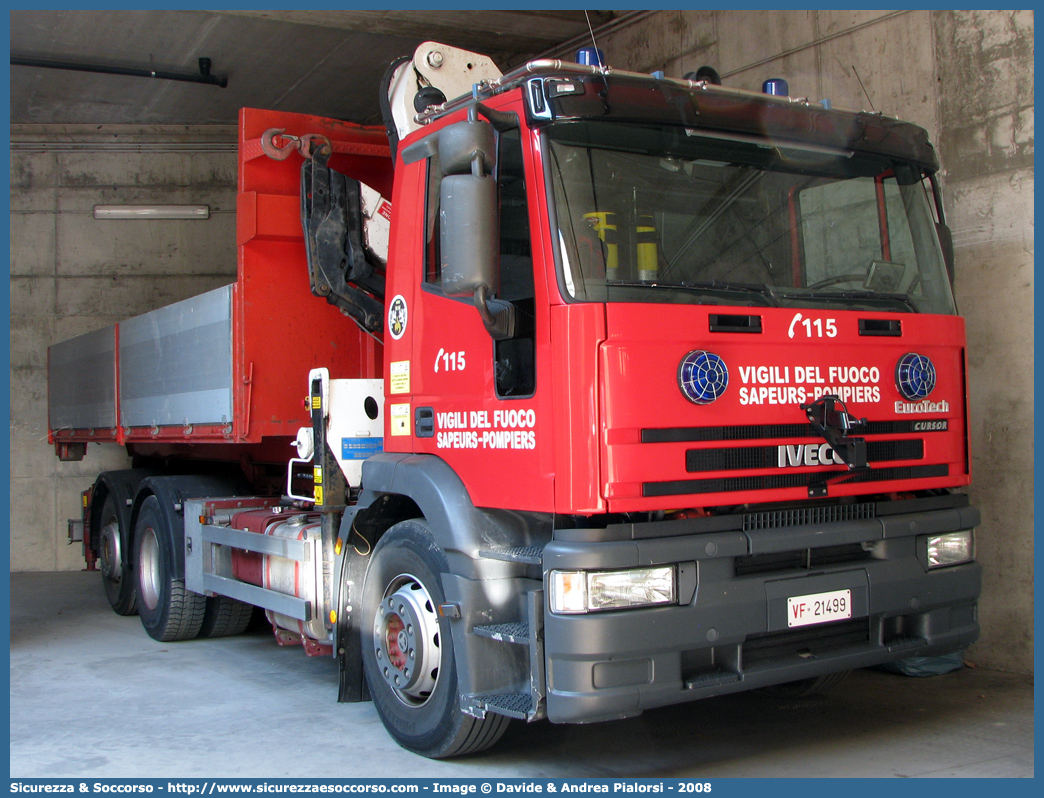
[318,493]
[400,419]
[317,402]
[317,474]
[400,377]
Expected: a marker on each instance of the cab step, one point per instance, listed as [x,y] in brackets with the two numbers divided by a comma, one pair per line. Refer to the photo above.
[528,555]
[505,632]
[904,642]
[711,678]
[513,705]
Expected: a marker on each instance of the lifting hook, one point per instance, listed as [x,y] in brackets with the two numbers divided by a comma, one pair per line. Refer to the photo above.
[269,147]
[312,143]
[306,145]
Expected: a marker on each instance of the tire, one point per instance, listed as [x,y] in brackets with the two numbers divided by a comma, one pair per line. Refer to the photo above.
[224,617]
[168,611]
[402,591]
[259,622]
[115,561]
[808,687]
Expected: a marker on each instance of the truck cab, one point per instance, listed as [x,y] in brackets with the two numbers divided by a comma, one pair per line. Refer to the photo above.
[639,223]
[711,404]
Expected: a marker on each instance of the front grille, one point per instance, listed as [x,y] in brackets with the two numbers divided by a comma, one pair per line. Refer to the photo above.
[801,559]
[802,516]
[776,481]
[752,432]
[747,458]
[770,563]
[751,457]
[812,640]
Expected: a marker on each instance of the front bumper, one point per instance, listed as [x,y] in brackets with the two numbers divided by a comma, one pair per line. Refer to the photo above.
[729,631]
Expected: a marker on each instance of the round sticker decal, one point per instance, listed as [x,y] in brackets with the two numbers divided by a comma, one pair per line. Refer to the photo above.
[397,317]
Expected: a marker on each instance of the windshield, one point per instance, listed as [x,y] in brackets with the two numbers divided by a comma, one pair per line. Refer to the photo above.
[682,216]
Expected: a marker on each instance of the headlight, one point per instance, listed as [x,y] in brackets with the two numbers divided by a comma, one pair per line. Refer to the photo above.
[592,591]
[951,548]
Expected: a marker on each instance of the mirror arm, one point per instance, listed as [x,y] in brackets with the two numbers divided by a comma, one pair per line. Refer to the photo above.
[481,300]
[937,196]
[943,231]
[498,315]
[501,120]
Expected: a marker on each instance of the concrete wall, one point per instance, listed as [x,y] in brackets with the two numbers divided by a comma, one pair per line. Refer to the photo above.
[967,77]
[986,144]
[71,274]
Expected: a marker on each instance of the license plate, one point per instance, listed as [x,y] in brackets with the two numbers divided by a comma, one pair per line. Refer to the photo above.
[819,608]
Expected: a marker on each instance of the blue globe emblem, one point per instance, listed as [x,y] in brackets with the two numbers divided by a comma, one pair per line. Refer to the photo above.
[915,376]
[702,376]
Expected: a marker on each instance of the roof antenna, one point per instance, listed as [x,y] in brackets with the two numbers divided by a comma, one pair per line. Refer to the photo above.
[864,90]
[597,52]
[604,93]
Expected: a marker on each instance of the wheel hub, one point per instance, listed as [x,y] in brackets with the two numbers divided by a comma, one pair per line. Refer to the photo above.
[150,568]
[406,640]
[111,553]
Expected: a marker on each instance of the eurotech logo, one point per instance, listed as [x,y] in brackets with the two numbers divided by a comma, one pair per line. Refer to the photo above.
[915,376]
[702,377]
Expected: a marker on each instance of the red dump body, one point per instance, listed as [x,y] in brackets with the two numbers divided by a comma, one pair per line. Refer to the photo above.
[265,331]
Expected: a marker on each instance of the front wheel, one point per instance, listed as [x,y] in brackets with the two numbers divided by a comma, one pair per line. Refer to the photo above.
[408,649]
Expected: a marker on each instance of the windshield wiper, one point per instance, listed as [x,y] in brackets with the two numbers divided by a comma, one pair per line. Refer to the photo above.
[861,296]
[767,294]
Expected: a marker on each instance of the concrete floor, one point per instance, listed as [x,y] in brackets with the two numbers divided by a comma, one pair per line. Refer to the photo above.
[93,696]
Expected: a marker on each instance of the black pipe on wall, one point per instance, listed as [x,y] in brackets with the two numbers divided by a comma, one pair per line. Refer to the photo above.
[204,75]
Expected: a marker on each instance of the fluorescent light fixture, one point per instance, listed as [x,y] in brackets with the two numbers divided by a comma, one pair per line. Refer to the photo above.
[151,211]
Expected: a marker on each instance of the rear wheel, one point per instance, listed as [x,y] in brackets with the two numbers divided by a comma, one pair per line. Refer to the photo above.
[114,558]
[408,649]
[168,610]
[225,617]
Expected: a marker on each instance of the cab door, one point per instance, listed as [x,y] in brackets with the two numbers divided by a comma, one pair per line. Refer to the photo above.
[483,405]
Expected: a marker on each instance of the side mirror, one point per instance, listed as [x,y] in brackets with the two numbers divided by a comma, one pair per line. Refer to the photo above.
[470,222]
[946,243]
[467,146]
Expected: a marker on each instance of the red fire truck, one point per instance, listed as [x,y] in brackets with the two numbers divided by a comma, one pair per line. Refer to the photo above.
[628,390]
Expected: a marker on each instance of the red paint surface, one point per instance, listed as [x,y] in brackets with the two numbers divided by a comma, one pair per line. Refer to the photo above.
[496,472]
[281,331]
[247,566]
[639,390]
[605,372]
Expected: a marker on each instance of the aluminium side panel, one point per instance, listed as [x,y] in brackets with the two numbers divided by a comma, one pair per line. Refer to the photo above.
[176,363]
[81,382]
